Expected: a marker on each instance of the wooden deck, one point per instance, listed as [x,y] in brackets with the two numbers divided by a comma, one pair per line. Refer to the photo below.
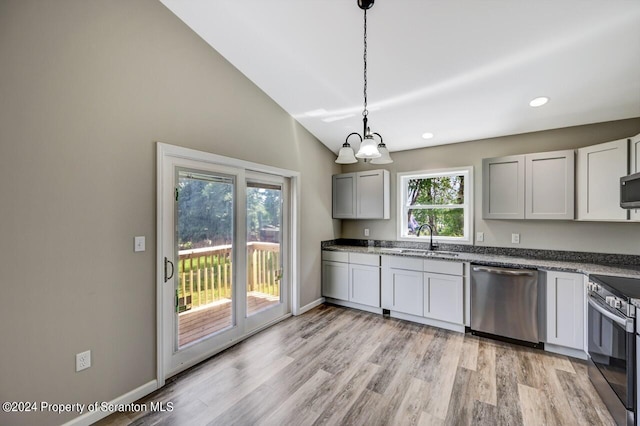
[201,322]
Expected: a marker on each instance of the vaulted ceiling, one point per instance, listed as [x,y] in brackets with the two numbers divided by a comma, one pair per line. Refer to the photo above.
[460,69]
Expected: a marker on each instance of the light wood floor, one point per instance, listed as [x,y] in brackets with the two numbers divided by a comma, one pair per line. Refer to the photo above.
[335,366]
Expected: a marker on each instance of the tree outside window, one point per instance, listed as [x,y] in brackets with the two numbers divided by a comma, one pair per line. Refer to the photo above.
[438,198]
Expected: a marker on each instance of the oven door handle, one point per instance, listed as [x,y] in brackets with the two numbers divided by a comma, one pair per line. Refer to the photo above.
[627,324]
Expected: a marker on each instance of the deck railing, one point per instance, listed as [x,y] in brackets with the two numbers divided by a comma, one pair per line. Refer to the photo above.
[205,274]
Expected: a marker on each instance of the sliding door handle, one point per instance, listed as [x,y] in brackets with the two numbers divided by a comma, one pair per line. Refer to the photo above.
[167,277]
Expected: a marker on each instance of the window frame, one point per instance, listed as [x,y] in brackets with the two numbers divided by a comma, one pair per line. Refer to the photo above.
[467,205]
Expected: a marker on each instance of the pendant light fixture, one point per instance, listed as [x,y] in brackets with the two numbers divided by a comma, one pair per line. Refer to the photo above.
[370,149]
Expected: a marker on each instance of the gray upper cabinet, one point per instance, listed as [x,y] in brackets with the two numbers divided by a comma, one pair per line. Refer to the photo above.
[361,195]
[635,168]
[549,185]
[503,187]
[344,196]
[599,169]
[532,186]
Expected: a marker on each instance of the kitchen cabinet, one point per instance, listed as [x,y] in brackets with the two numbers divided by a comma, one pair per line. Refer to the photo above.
[634,167]
[443,297]
[344,196]
[361,195]
[598,170]
[503,187]
[335,275]
[424,290]
[549,185]
[565,306]
[531,186]
[351,277]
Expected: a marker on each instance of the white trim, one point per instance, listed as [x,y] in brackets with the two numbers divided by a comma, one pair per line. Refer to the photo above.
[428,321]
[576,353]
[468,203]
[91,417]
[167,151]
[347,304]
[310,306]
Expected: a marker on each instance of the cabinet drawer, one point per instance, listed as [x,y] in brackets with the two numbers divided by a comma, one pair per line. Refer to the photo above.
[409,263]
[364,259]
[443,267]
[336,256]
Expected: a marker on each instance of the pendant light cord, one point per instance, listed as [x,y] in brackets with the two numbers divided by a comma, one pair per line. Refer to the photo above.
[365,112]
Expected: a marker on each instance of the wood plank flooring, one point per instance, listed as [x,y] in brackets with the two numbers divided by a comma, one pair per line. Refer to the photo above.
[335,366]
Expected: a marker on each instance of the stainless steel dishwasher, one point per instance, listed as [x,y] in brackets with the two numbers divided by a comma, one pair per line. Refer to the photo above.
[504,302]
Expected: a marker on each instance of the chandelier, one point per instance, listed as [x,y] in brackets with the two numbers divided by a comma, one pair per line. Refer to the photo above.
[370,149]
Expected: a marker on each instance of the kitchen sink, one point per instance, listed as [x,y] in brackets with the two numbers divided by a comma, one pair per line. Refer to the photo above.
[419,252]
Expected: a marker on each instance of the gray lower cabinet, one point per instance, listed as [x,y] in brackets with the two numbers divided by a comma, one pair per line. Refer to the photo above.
[565,306]
[335,280]
[424,288]
[406,291]
[443,297]
[351,277]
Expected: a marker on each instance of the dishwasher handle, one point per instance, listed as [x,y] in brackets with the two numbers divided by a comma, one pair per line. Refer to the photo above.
[510,272]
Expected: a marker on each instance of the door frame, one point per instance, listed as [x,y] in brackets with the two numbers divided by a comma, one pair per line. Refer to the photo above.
[165,151]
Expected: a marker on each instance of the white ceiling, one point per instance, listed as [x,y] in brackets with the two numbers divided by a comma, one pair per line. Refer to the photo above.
[460,69]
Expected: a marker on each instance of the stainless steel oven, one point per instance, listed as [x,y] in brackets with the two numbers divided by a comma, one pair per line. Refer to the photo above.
[612,345]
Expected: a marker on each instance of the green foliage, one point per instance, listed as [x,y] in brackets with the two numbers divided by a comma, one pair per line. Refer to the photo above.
[205,212]
[426,195]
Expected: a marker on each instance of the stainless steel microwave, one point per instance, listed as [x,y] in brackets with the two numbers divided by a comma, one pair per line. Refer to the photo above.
[630,191]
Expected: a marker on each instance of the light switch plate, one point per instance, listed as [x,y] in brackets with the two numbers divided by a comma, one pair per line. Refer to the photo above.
[479,237]
[139,244]
[515,238]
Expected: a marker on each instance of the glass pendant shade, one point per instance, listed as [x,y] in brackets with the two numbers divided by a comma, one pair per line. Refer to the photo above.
[368,148]
[345,156]
[384,158]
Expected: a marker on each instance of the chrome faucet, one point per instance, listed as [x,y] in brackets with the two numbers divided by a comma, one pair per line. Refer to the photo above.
[431,245]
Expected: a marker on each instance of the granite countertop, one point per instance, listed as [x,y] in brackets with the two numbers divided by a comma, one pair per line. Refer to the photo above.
[501,261]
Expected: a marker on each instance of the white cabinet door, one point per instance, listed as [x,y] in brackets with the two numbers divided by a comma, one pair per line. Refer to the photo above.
[443,297]
[406,291]
[566,300]
[549,185]
[598,170]
[372,194]
[344,196]
[364,285]
[634,164]
[335,280]
[503,187]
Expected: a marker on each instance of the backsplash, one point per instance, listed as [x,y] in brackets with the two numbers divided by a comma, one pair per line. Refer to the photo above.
[627,260]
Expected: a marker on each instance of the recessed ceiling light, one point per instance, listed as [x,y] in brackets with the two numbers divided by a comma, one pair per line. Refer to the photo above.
[427,135]
[539,101]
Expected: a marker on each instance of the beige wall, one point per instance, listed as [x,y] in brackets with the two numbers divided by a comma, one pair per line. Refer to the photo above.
[559,235]
[86,88]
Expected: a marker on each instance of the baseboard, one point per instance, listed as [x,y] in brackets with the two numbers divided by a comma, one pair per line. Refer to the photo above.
[428,321]
[91,417]
[561,350]
[310,306]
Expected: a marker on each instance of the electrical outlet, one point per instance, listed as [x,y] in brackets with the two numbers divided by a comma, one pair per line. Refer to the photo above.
[515,238]
[366,232]
[479,237]
[83,360]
